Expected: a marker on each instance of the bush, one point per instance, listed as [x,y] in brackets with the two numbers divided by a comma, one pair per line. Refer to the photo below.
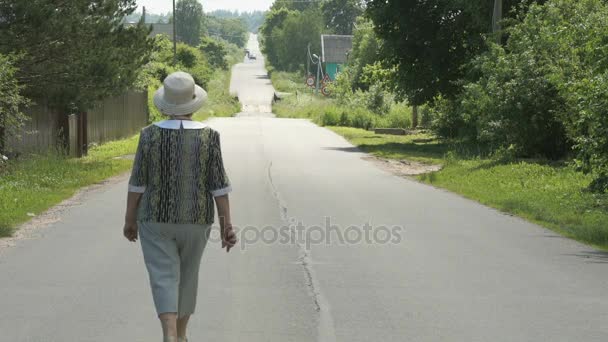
[511,103]
[543,93]
[215,51]
[11,118]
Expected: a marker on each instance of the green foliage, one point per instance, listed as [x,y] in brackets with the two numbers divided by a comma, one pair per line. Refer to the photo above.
[270,44]
[73,53]
[233,30]
[300,5]
[188,21]
[429,42]
[215,51]
[340,15]
[11,118]
[543,92]
[577,63]
[219,102]
[286,37]
[365,55]
[513,104]
[188,59]
[253,19]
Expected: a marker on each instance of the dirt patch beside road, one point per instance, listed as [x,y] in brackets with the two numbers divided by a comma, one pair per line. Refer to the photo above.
[402,168]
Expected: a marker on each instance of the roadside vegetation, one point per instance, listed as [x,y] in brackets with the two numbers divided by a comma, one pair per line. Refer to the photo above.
[32,183]
[516,115]
[550,193]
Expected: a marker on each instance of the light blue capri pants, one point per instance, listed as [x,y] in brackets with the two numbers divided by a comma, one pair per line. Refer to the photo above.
[172,253]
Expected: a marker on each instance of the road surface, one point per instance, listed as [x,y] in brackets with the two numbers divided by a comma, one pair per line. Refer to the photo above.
[453,271]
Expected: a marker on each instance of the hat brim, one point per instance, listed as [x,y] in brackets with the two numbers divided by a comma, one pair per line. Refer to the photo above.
[200,96]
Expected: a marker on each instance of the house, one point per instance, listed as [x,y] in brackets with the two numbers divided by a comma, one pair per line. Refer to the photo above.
[158,29]
[334,52]
[166,29]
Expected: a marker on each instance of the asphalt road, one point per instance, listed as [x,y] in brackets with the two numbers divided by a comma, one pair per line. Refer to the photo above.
[453,270]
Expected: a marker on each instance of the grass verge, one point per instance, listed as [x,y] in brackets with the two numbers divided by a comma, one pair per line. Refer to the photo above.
[34,184]
[219,103]
[549,194]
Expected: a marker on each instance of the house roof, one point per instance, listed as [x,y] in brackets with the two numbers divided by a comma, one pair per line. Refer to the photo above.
[158,28]
[166,29]
[335,48]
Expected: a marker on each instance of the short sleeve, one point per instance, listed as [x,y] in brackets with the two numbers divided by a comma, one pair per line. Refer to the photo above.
[139,174]
[217,179]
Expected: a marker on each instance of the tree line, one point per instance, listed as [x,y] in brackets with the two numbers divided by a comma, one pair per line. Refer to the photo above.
[537,88]
[69,55]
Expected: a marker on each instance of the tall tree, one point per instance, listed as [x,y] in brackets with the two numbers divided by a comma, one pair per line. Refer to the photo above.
[273,22]
[73,52]
[429,42]
[188,21]
[340,15]
[300,5]
[233,30]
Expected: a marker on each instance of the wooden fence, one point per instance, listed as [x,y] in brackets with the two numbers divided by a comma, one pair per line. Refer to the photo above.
[43,132]
[112,119]
[118,117]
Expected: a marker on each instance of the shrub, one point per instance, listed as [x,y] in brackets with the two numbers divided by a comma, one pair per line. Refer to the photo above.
[542,94]
[215,51]
[201,73]
[331,116]
[11,118]
[511,103]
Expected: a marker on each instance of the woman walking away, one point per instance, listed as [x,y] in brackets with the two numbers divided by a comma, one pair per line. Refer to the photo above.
[178,171]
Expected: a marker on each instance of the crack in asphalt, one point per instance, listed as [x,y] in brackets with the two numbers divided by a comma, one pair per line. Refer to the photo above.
[325,325]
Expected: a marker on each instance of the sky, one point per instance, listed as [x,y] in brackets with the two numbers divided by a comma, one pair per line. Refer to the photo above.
[164,6]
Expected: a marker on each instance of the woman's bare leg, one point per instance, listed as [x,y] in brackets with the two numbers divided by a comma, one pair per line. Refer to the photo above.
[182,324]
[169,324]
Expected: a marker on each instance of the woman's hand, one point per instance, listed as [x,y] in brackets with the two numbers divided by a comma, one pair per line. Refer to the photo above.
[228,237]
[130,230]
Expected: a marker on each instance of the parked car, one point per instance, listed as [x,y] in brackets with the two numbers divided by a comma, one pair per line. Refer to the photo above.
[252,56]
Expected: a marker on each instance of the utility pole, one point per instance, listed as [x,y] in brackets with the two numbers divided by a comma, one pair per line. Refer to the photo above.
[496,18]
[318,71]
[174,37]
[308,61]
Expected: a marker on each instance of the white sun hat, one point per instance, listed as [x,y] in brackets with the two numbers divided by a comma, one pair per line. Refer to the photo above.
[179,95]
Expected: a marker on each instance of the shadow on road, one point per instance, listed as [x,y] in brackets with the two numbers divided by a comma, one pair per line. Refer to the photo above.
[594,257]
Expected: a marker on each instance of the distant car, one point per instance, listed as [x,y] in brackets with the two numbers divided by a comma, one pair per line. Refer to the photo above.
[252,56]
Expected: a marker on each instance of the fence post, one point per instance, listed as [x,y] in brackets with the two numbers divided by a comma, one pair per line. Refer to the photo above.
[73,135]
[83,139]
[2,136]
[146,108]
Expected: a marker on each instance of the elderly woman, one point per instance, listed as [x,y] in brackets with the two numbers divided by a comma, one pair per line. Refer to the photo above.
[177,173]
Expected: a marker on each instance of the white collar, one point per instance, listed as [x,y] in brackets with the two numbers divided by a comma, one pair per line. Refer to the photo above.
[175,124]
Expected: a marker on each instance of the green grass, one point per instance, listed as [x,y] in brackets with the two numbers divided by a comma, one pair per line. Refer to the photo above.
[288,82]
[420,147]
[550,194]
[34,184]
[219,103]
[304,105]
